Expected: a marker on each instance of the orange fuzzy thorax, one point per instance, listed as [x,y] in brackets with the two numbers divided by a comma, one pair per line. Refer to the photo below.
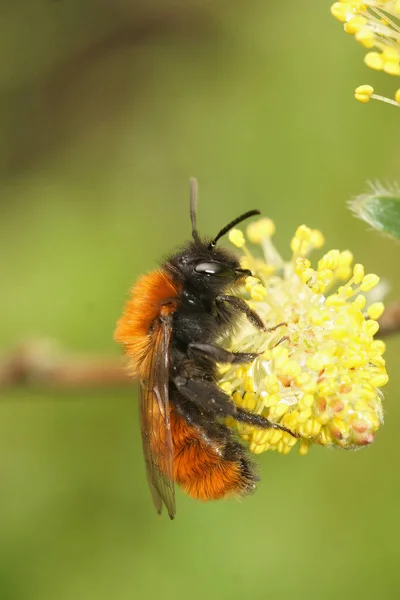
[147,302]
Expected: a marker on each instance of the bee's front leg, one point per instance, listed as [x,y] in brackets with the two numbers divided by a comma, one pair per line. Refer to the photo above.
[241,306]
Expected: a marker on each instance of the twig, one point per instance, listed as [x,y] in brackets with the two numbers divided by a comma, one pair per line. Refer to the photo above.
[41,362]
[389,323]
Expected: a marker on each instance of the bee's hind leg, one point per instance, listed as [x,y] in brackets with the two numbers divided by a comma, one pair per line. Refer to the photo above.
[206,395]
[244,416]
[220,355]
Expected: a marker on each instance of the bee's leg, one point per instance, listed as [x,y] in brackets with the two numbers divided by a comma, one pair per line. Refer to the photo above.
[211,400]
[244,416]
[206,395]
[240,305]
[219,354]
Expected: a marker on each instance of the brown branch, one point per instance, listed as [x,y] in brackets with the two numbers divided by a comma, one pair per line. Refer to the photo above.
[41,362]
[389,323]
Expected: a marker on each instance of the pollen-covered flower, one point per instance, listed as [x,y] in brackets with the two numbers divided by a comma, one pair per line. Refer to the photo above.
[376,25]
[319,369]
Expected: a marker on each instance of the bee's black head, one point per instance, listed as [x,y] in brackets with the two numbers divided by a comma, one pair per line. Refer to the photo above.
[200,263]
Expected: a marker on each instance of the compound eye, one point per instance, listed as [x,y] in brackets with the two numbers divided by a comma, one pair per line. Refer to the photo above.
[214,268]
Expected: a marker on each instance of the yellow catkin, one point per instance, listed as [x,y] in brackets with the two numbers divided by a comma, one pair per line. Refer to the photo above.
[318,369]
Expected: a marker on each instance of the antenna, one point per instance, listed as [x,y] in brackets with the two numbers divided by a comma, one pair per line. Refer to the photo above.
[194,193]
[232,224]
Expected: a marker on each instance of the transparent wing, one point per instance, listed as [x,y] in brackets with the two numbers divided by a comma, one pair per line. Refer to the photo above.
[155,421]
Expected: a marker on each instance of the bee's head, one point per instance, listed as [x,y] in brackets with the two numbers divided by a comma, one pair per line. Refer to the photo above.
[201,263]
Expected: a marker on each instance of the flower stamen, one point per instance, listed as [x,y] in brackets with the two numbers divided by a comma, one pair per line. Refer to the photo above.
[322,379]
[374,24]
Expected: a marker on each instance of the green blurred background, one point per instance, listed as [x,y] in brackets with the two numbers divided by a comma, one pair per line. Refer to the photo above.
[107,108]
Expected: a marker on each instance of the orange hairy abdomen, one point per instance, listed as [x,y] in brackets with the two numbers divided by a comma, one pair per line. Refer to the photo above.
[147,302]
[199,466]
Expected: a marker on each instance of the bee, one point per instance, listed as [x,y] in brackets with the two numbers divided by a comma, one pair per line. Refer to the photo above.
[169,329]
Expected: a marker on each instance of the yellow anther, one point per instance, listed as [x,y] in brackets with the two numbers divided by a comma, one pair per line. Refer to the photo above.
[241,373]
[262,437]
[354,24]
[324,418]
[259,230]
[340,332]
[283,448]
[343,273]
[258,449]
[279,410]
[392,67]
[223,368]
[271,384]
[303,447]
[366,37]
[310,387]
[377,360]
[341,11]
[325,275]
[330,260]
[249,384]
[375,310]
[369,282]
[345,258]
[250,282]
[280,356]
[226,387]
[249,400]
[354,361]
[291,368]
[303,378]
[307,401]
[325,437]
[372,327]
[305,274]
[271,400]
[317,238]
[391,53]
[378,346]
[360,302]
[327,387]
[237,397]
[318,361]
[289,440]
[363,93]
[308,427]
[303,233]
[335,300]
[245,263]
[315,427]
[318,288]
[236,238]
[373,60]
[379,380]
[397,96]
[317,317]
[304,415]
[358,273]
[275,436]
[295,245]
[346,291]
[267,355]
[258,292]
[290,419]
[302,264]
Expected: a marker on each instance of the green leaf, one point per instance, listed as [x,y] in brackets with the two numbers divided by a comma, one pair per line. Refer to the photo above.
[380,208]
